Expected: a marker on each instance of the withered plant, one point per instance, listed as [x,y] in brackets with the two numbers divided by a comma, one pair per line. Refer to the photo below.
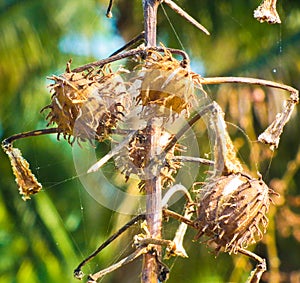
[93,102]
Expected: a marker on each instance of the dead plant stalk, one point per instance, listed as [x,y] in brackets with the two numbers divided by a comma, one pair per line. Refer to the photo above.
[152,185]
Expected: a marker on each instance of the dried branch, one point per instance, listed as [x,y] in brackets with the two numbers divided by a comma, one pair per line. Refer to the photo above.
[185,15]
[109,8]
[271,135]
[78,272]
[137,253]
[153,184]
[8,141]
[131,53]
[203,161]
[111,154]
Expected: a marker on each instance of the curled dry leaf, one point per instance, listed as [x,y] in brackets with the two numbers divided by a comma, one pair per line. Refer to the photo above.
[271,135]
[27,182]
[266,12]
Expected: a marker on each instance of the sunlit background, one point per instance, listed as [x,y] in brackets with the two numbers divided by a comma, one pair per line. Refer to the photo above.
[44,239]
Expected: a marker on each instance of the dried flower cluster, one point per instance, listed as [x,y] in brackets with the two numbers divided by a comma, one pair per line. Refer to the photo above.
[165,89]
[133,159]
[96,103]
[93,104]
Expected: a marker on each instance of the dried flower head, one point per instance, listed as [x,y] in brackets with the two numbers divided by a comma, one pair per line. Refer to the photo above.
[87,105]
[27,182]
[232,211]
[134,159]
[165,82]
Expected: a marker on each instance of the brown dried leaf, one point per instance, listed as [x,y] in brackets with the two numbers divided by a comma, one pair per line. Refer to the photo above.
[271,135]
[266,12]
[27,182]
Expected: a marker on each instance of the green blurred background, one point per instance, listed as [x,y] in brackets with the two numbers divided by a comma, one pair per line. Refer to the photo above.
[43,239]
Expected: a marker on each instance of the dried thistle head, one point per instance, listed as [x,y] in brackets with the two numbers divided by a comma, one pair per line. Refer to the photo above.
[134,159]
[166,83]
[232,211]
[27,182]
[87,105]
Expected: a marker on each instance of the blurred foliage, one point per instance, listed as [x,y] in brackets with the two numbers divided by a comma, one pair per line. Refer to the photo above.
[45,238]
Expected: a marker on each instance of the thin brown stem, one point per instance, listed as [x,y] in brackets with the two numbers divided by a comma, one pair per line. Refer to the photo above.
[185,15]
[186,127]
[203,161]
[130,53]
[260,267]
[271,135]
[124,261]
[253,81]
[109,8]
[170,213]
[78,273]
[140,37]
[101,63]
[8,141]
[95,167]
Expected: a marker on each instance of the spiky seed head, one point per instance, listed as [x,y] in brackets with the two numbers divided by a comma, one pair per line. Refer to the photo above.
[164,82]
[94,101]
[134,159]
[232,211]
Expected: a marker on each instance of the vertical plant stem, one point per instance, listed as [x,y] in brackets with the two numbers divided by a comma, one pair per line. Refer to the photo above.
[153,184]
[150,21]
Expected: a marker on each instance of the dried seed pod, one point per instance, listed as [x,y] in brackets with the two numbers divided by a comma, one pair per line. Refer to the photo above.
[94,101]
[164,82]
[27,182]
[232,211]
[133,159]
